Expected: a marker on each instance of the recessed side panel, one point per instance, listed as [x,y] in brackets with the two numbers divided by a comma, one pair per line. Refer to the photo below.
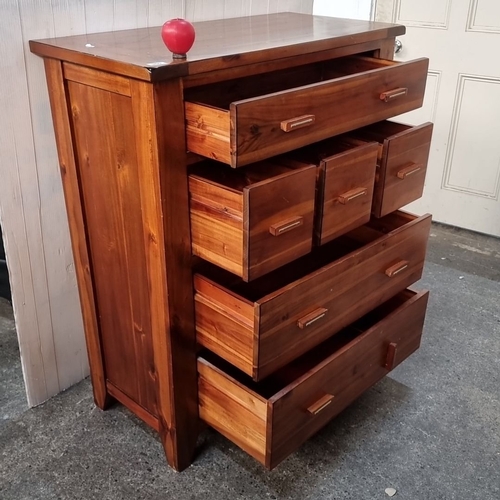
[107,162]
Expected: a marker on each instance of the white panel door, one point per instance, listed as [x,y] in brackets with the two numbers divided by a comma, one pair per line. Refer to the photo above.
[462,40]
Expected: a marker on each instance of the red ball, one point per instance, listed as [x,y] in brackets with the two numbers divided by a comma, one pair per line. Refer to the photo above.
[178,35]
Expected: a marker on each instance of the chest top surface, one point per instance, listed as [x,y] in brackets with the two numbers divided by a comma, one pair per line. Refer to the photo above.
[220,44]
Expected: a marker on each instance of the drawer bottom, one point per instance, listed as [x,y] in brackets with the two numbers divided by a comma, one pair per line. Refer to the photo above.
[272,418]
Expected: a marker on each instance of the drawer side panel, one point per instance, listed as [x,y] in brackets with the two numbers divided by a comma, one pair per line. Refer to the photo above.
[232,410]
[208,132]
[224,324]
[216,224]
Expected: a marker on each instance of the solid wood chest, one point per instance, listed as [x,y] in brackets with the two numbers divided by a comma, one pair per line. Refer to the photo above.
[241,254]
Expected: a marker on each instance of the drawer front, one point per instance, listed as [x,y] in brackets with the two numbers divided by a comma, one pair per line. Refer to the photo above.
[269,125]
[349,94]
[345,192]
[279,221]
[257,229]
[402,169]
[271,419]
[306,313]
[401,164]
[321,394]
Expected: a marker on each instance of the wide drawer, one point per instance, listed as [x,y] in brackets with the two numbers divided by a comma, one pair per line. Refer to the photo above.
[270,419]
[345,181]
[249,119]
[402,163]
[252,220]
[262,325]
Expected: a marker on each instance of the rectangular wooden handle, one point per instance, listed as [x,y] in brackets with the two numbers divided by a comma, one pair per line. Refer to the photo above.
[287,225]
[410,169]
[321,404]
[298,122]
[391,356]
[390,95]
[397,268]
[352,195]
[311,318]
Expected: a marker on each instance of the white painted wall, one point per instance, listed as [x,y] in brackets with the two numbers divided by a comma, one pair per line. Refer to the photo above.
[32,211]
[351,9]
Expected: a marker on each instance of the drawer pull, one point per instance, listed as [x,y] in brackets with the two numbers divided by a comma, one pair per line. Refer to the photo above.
[285,226]
[321,404]
[411,169]
[299,122]
[390,95]
[397,268]
[352,195]
[391,356]
[311,318]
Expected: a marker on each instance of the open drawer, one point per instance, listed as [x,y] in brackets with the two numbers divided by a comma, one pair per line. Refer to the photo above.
[345,182]
[248,119]
[239,222]
[401,165]
[262,325]
[271,419]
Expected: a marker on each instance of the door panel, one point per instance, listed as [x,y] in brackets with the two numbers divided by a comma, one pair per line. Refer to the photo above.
[461,38]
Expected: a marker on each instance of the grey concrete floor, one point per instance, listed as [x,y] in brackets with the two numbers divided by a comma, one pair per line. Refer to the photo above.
[431,429]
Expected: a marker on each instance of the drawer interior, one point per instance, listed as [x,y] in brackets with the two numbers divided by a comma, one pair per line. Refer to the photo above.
[322,150]
[380,131]
[289,374]
[319,257]
[222,94]
[238,179]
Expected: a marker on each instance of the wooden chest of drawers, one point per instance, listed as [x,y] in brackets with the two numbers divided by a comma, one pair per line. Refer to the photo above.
[240,253]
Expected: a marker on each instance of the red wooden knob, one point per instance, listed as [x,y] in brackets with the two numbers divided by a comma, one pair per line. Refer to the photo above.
[178,35]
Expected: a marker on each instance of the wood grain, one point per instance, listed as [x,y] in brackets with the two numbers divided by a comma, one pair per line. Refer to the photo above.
[401,146]
[345,374]
[276,201]
[221,75]
[346,178]
[348,282]
[110,174]
[387,48]
[216,215]
[78,226]
[233,213]
[233,410]
[271,419]
[221,315]
[34,220]
[348,288]
[98,79]
[142,216]
[208,131]
[220,44]
[160,122]
[352,93]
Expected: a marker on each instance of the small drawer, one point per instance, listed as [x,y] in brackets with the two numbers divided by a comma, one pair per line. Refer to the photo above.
[271,419]
[402,163]
[346,176]
[263,325]
[244,120]
[253,220]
